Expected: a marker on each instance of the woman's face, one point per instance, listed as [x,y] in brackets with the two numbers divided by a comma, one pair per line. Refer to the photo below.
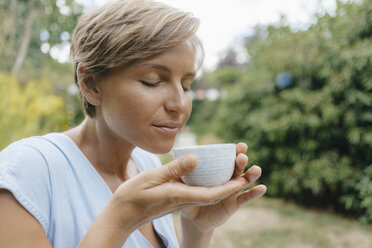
[148,103]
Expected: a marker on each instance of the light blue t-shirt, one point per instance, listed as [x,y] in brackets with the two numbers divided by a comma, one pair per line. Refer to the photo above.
[55,182]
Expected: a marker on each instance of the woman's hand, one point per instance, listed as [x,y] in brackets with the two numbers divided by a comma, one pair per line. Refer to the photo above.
[150,195]
[206,218]
[157,192]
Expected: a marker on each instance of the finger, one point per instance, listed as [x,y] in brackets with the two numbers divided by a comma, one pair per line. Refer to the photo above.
[173,170]
[240,164]
[252,174]
[207,196]
[251,195]
[241,148]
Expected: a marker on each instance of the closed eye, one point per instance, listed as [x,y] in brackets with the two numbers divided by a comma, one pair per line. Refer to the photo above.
[186,89]
[150,84]
[186,85]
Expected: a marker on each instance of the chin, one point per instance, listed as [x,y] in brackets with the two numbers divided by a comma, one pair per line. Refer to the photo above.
[159,148]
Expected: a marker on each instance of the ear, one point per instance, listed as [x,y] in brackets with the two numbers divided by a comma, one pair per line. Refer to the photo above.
[88,86]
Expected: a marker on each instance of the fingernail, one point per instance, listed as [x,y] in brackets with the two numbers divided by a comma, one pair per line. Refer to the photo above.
[253,178]
[187,163]
[263,187]
[256,175]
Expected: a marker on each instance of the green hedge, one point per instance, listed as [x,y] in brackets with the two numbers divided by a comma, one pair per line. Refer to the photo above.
[304,105]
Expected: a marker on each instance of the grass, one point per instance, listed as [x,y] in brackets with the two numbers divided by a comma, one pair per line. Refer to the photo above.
[273,223]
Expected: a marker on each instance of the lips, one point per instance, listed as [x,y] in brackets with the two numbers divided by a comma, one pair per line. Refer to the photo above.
[168,127]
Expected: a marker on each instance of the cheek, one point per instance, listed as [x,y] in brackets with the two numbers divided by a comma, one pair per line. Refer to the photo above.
[130,105]
[189,108]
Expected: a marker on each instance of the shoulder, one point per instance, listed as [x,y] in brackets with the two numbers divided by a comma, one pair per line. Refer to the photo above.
[24,171]
[29,154]
[25,154]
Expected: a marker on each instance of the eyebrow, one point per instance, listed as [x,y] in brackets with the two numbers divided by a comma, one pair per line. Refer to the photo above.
[166,69]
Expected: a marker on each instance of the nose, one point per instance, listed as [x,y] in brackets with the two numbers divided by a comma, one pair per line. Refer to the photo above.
[177,100]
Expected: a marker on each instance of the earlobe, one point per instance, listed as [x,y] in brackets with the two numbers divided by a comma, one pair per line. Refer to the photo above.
[88,87]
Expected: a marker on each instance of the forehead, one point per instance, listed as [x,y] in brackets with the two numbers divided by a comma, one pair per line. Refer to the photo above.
[183,51]
[178,58]
[177,61]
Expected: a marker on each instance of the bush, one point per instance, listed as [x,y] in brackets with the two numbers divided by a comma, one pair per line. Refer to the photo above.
[29,110]
[304,106]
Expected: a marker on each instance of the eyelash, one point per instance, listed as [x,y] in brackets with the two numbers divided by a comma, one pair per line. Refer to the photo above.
[157,84]
[150,84]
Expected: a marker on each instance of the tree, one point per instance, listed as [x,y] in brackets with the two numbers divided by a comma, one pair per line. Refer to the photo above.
[304,106]
[30,33]
[26,24]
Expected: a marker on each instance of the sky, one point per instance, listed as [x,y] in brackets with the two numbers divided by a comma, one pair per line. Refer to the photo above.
[225,22]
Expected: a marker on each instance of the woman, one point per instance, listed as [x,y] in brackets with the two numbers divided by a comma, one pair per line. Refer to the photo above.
[99,184]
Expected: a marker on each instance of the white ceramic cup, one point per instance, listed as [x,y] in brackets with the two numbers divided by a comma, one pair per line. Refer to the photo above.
[216,164]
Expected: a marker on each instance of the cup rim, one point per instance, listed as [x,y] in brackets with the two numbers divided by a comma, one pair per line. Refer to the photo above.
[209,146]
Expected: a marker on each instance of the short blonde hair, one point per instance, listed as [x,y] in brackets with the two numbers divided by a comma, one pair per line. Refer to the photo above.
[124,32]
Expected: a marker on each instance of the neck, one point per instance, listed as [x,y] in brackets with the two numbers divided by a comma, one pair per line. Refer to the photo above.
[108,153]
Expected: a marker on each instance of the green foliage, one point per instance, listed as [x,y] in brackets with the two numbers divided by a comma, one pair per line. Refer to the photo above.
[25,25]
[359,197]
[29,110]
[313,137]
[50,17]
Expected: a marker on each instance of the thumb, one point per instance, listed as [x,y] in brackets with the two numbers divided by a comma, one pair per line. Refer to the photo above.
[177,168]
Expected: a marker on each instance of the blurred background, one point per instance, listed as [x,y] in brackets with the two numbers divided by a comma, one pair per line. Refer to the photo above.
[292,79]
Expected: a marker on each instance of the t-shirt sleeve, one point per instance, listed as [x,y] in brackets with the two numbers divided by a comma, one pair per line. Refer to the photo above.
[24,172]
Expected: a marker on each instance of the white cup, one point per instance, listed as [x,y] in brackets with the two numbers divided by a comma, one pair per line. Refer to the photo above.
[216,164]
